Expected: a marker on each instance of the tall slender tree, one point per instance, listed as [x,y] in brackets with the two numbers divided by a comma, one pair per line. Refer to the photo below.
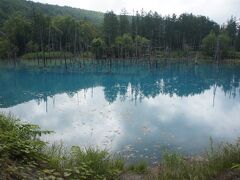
[124,25]
[110,27]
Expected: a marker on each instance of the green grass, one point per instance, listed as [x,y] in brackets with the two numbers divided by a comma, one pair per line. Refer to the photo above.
[139,168]
[89,163]
[219,159]
[55,55]
[47,55]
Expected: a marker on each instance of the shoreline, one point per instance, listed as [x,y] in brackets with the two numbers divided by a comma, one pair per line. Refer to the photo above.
[81,62]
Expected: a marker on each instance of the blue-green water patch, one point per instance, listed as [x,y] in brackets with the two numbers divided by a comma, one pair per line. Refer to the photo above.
[137,111]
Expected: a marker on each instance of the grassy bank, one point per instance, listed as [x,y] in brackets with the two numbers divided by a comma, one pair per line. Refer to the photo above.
[24,156]
[55,55]
[177,54]
[216,163]
[47,55]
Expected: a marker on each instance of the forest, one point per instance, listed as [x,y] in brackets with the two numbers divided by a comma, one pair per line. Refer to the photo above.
[49,31]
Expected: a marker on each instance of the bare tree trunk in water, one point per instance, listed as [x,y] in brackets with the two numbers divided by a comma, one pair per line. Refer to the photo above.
[75,41]
[49,42]
[65,59]
[42,46]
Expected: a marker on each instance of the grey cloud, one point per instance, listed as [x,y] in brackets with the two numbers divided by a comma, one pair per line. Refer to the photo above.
[218,10]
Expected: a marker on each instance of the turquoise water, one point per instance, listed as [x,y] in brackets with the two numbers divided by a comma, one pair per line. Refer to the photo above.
[135,110]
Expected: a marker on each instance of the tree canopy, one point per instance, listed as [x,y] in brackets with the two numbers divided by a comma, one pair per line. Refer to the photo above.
[34,27]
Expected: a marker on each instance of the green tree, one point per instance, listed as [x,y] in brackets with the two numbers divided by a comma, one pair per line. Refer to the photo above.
[238,39]
[98,46]
[17,32]
[127,44]
[124,26]
[110,27]
[119,44]
[40,27]
[32,47]
[5,48]
[87,33]
[141,45]
[225,42]
[209,43]
[67,33]
[232,30]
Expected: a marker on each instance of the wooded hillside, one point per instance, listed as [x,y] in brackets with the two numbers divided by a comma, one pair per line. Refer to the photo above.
[36,28]
[8,7]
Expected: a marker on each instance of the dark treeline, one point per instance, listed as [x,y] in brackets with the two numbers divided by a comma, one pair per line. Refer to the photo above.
[118,36]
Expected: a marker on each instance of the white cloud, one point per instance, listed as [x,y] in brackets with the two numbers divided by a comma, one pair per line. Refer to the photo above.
[218,10]
[88,119]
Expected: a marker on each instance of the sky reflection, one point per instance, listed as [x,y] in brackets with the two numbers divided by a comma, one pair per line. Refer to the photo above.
[136,119]
[183,123]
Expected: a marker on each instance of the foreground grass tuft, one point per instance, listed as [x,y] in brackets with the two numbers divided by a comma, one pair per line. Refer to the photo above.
[86,163]
[218,160]
[139,168]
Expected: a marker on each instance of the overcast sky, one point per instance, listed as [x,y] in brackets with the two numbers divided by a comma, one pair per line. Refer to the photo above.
[218,10]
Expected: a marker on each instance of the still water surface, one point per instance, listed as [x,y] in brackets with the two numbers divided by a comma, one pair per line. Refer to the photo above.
[137,111]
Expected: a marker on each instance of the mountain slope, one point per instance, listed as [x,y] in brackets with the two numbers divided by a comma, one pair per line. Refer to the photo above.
[8,7]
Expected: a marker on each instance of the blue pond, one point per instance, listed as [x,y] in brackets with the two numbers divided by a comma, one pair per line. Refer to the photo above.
[135,110]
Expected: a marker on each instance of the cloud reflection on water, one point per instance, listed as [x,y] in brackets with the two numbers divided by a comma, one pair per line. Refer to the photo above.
[135,111]
[86,119]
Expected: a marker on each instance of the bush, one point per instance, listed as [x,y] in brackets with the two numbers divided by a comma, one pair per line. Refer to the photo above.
[20,141]
[23,154]
[20,149]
